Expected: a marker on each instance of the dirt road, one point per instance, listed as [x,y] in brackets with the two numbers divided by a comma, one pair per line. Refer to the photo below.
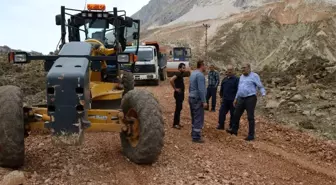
[278,156]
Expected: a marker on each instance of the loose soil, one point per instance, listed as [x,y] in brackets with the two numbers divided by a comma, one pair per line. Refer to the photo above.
[279,155]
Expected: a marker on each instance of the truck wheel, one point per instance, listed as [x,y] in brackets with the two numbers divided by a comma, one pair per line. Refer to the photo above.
[145,143]
[127,81]
[12,148]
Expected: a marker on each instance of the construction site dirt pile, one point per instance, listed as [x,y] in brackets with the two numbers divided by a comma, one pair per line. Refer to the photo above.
[31,78]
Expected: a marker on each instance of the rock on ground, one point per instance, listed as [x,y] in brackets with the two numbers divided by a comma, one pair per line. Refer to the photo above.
[13,178]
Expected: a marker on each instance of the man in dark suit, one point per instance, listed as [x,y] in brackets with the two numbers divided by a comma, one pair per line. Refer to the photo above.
[228,90]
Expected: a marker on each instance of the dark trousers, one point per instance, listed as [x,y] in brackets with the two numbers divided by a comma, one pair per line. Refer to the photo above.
[248,104]
[227,105]
[197,117]
[179,98]
[211,93]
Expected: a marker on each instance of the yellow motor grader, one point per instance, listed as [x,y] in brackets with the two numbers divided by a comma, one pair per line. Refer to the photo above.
[85,91]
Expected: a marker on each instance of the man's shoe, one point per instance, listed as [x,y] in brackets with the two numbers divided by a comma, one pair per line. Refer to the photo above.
[213,110]
[198,140]
[177,126]
[231,132]
[219,128]
[249,138]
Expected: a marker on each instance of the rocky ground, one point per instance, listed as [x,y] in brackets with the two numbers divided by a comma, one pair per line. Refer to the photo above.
[280,155]
[300,103]
[290,43]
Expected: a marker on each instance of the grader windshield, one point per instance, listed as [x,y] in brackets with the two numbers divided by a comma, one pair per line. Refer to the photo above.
[112,28]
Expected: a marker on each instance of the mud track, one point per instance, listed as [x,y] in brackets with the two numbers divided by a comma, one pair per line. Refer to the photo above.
[278,156]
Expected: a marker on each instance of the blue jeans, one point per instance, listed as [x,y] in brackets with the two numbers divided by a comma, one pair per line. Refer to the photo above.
[197,117]
[227,105]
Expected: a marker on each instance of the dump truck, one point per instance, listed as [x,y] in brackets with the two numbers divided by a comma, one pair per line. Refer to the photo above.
[179,55]
[150,65]
[83,94]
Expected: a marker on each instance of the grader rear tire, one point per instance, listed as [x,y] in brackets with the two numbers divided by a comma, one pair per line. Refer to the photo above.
[149,128]
[127,81]
[12,148]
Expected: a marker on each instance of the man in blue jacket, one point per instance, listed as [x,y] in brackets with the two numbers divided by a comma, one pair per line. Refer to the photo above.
[197,101]
[228,90]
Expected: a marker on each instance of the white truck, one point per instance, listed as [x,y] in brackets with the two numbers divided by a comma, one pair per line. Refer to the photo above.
[151,63]
[179,55]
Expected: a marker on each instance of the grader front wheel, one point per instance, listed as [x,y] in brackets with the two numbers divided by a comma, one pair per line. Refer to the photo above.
[12,149]
[127,81]
[143,141]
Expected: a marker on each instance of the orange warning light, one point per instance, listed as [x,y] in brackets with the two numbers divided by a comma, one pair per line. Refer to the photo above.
[96,7]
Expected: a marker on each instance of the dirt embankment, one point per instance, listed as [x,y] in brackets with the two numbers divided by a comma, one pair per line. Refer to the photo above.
[29,77]
[294,53]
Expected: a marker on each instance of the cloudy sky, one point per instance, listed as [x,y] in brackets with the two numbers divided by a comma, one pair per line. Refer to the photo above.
[30,24]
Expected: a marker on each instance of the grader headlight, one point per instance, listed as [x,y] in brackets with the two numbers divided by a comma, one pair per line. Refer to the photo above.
[123,58]
[18,57]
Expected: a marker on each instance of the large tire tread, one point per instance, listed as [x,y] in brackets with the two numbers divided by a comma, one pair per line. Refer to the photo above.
[12,149]
[127,81]
[151,127]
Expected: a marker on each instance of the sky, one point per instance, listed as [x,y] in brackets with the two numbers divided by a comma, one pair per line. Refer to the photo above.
[30,24]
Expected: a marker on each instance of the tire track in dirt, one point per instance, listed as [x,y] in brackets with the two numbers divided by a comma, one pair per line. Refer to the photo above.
[302,161]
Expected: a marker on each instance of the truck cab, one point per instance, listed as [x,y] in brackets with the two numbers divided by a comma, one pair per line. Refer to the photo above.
[150,65]
[179,55]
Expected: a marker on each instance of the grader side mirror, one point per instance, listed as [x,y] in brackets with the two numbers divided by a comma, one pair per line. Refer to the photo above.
[58,19]
[129,22]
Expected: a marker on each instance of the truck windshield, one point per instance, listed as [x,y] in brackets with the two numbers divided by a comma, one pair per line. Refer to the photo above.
[143,54]
[181,54]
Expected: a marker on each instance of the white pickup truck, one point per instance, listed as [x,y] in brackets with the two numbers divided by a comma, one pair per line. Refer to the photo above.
[150,65]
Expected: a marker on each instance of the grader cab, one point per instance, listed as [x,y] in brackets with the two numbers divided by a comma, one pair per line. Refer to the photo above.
[85,91]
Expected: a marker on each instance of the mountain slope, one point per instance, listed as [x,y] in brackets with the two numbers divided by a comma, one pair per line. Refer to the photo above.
[291,44]
[161,12]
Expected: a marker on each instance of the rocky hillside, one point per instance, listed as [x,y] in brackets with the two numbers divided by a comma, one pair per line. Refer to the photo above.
[290,43]
[161,12]
[5,49]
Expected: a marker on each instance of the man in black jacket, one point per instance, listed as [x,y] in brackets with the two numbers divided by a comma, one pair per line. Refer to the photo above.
[178,84]
[228,90]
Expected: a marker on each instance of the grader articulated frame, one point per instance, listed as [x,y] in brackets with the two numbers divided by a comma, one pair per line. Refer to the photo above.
[83,94]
